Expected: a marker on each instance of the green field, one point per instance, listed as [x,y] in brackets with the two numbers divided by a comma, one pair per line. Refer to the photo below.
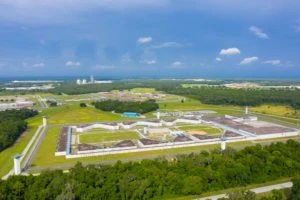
[96,136]
[207,129]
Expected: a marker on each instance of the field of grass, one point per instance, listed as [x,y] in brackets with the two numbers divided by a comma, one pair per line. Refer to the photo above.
[95,137]
[207,129]
[274,110]
[72,114]
[6,161]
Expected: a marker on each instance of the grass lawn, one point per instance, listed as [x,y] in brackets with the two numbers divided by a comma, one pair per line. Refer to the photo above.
[279,110]
[95,137]
[72,114]
[207,129]
[6,161]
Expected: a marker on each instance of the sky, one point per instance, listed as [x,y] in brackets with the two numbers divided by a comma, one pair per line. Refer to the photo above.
[150,38]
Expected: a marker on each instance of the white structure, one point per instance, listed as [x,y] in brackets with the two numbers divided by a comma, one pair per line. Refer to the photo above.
[44,121]
[81,129]
[223,144]
[78,82]
[84,81]
[92,79]
[158,115]
[145,130]
[246,110]
[17,164]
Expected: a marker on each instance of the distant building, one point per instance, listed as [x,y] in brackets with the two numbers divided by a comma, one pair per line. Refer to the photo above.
[92,79]
[84,81]
[78,82]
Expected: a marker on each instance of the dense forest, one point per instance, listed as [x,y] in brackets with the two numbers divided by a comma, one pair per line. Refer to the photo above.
[240,97]
[12,125]
[127,106]
[192,174]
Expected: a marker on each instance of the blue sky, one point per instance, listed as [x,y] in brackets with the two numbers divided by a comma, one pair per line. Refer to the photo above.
[150,38]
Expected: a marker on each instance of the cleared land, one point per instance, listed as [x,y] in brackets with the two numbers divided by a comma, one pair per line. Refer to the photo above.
[95,137]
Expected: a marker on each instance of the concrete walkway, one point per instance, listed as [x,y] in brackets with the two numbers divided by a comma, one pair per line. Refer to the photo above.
[255,190]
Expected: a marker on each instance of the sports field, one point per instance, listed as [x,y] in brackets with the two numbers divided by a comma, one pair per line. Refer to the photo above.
[96,136]
[199,129]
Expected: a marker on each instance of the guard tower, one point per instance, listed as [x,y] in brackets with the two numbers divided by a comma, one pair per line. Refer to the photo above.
[246,110]
[44,121]
[223,144]
[17,164]
[158,114]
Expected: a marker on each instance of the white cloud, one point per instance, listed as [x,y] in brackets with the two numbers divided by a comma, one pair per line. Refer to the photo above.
[168,45]
[151,62]
[272,62]
[39,65]
[144,40]
[99,67]
[258,32]
[177,64]
[218,59]
[229,51]
[72,64]
[249,60]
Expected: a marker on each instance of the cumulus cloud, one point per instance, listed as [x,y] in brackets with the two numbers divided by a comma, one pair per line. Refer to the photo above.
[249,60]
[151,62]
[72,64]
[39,65]
[229,51]
[144,40]
[272,62]
[168,45]
[258,32]
[218,59]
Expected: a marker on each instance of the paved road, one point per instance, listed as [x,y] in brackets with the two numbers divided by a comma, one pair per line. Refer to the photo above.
[256,190]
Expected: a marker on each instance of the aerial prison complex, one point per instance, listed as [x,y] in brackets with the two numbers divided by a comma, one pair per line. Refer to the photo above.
[166,133]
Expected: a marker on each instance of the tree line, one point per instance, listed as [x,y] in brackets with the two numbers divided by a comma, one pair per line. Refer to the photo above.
[192,174]
[240,97]
[12,125]
[127,106]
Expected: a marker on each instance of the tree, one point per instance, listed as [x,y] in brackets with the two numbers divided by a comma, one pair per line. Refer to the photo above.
[242,195]
[82,105]
[295,189]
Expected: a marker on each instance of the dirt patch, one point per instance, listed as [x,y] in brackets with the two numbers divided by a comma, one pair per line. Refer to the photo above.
[196,132]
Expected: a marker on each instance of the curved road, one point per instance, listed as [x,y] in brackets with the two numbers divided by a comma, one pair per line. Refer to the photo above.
[255,190]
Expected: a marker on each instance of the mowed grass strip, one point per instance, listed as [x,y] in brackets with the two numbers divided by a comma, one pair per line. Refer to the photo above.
[207,129]
[94,137]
